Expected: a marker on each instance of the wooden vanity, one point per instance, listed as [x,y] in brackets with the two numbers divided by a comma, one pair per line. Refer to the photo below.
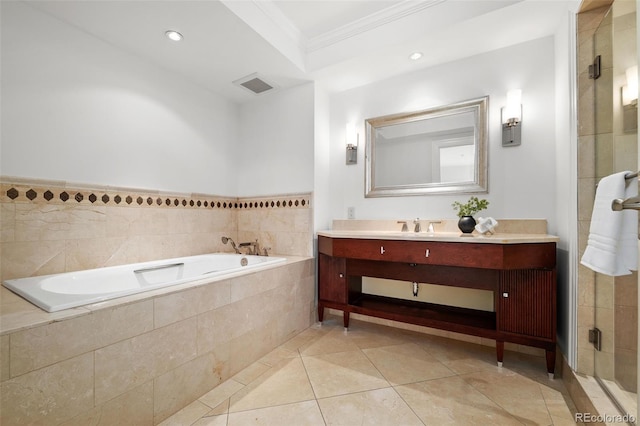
[519,270]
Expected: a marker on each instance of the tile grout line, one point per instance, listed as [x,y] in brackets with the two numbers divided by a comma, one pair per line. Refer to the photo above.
[414,342]
[311,384]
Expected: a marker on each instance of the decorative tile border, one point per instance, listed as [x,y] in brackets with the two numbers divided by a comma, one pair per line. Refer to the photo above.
[290,201]
[23,191]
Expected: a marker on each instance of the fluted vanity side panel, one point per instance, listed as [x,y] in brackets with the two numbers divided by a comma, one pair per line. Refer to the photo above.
[524,293]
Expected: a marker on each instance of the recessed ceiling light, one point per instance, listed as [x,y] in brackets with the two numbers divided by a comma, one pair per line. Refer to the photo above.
[173,35]
[415,56]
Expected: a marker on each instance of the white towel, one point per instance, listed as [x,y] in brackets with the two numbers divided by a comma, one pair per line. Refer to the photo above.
[486,224]
[612,248]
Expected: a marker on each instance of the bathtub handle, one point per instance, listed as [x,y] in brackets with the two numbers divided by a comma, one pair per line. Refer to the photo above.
[154,268]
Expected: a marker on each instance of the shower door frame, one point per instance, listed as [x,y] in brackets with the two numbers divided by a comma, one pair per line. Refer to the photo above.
[612,152]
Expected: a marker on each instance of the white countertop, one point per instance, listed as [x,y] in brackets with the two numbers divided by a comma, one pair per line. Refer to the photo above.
[454,237]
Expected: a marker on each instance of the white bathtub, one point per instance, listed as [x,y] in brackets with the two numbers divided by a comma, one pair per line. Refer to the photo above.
[69,290]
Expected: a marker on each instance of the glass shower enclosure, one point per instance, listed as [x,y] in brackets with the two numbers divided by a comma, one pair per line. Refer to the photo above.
[616,149]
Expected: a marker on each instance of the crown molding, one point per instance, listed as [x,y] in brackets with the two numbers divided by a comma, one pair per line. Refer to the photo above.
[273,12]
[382,17]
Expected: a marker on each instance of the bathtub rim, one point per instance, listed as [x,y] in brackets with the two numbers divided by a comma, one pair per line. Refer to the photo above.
[32,288]
[18,314]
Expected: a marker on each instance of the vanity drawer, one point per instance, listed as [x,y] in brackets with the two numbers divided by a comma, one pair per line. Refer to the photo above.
[423,252]
[462,254]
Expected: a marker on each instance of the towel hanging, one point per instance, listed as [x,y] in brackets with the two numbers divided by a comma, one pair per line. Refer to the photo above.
[612,247]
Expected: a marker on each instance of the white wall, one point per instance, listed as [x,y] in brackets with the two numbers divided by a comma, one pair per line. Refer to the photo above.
[522,179]
[77,109]
[567,185]
[275,152]
[322,158]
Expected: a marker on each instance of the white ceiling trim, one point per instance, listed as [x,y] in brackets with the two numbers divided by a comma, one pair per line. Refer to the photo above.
[274,13]
[266,19]
[367,23]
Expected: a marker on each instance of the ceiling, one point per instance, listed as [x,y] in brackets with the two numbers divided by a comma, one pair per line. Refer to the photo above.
[340,44]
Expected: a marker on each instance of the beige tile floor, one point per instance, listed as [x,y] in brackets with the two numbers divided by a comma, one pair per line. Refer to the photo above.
[377,375]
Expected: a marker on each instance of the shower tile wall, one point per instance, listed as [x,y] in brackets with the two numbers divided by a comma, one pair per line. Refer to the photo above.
[50,227]
[625,147]
[626,332]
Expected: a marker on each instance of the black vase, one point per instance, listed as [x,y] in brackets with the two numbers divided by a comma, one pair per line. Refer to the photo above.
[467,224]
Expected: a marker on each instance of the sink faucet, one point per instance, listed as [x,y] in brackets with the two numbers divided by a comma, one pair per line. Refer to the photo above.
[404,225]
[417,225]
[431,228]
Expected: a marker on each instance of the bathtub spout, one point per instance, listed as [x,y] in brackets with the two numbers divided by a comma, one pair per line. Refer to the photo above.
[226,240]
[253,248]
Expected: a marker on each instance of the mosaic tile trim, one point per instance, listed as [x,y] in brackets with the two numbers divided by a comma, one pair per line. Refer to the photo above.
[24,193]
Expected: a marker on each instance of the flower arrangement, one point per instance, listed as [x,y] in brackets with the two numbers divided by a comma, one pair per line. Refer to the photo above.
[471,207]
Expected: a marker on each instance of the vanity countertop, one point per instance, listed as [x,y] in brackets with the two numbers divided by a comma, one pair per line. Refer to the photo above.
[454,237]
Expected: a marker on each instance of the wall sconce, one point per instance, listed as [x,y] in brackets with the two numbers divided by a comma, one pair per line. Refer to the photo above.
[512,119]
[352,138]
[630,90]
[630,101]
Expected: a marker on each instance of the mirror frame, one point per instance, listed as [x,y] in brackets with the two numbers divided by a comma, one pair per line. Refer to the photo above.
[479,107]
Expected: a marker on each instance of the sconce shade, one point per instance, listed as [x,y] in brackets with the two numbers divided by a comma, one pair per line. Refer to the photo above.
[513,109]
[630,90]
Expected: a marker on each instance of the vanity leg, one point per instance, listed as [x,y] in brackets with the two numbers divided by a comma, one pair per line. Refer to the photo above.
[320,312]
[551,363]
[499,352]
[345,318]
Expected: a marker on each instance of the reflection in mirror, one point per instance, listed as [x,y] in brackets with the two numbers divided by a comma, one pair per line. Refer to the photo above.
[440,150]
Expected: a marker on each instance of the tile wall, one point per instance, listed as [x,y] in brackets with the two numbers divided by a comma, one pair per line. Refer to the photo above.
[141,361]
[50,227]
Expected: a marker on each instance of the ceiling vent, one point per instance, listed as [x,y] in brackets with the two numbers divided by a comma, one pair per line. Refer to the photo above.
[255,83]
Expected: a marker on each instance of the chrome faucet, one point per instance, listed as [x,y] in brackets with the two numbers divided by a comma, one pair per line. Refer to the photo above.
[226,240]
[254,249]
[404,225]
[431,228]
[417,225]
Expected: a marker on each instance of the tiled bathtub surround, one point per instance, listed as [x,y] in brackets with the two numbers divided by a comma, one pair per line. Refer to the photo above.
[139,359]
[50,226]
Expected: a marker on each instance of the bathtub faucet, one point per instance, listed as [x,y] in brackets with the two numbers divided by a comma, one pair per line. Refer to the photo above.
[253,248]
[226,240]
